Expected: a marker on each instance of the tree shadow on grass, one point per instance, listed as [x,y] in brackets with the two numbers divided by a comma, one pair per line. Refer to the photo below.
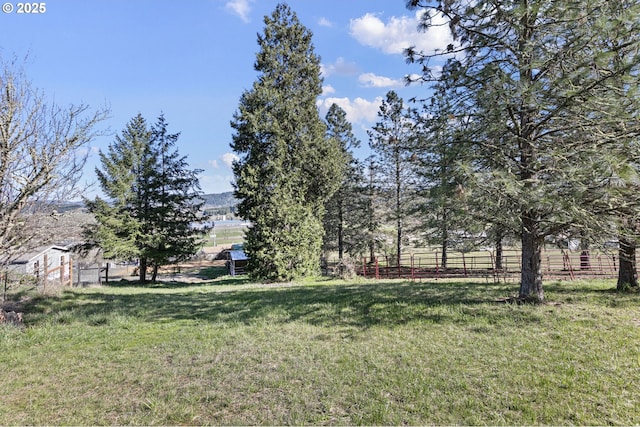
[606,294]
[208,276]
[359,305]
[571,288]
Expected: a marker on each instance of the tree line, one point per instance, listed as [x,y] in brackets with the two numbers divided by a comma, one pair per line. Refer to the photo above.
[529,132]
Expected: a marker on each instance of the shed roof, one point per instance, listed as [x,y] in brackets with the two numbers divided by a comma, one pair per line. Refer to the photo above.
[26,257]
[238,256]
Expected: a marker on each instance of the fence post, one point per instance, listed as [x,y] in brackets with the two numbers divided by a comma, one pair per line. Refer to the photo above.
[70,272]
[600,264]
[413,274]
[377,270]
[464,265]
[567,262]
[386,259]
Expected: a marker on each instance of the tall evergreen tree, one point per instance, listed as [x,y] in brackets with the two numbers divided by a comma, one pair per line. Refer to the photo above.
[153,199]
[287,167]
[627,188]
[540,87]
[389,140]
[345,218]
[177,203]
[374,216]
[118,229]
[436,156]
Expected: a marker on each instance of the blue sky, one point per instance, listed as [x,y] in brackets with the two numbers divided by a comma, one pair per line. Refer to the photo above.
[192,59]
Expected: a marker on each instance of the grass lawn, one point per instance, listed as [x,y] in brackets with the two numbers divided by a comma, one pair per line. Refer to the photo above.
[326,352]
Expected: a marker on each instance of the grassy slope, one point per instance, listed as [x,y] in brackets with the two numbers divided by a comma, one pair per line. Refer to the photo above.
[324,353]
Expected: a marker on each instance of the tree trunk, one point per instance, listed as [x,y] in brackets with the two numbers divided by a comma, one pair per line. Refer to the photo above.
[531,276]
[499,253]
[398,201]
[372,252]
[399,245]
[340,231]
[445,238]
[443,259]
[372,243]
[155,273]
[627,273]
[143,270]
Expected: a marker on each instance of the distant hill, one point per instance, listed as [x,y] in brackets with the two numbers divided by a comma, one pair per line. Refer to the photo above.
[220,200]
[217,200]
[69,206]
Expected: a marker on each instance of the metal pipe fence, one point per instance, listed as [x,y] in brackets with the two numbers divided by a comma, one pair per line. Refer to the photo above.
[554,265]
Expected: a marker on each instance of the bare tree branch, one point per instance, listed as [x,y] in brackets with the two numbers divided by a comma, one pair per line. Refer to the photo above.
[42,154]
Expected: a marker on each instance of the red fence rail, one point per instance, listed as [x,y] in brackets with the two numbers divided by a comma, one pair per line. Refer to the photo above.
[558,265]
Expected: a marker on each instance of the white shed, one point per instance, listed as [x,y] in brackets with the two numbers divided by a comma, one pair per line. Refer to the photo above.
[50,262]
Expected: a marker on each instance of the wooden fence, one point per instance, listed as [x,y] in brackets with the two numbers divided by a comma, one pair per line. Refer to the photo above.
[62,274]
[45,276]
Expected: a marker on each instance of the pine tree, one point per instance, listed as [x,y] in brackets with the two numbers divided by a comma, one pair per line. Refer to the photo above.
[345,219]
[436,156]
[389,140]
[374,236]
[287,168]
[541,88]
[153,199]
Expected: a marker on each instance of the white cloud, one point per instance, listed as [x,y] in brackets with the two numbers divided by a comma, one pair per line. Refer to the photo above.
[358,110]
[219,179]
[328,90]
[372,80]
[216,183]
[324,22]
[229,158]
[416,77]
[400,33]
[340,67]
[241,8]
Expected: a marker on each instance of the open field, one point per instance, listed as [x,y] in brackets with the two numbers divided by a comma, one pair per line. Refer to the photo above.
[226,235]
[326,352]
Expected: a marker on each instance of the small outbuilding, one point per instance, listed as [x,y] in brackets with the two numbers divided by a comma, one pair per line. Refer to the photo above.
[45,263]
[237,262]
